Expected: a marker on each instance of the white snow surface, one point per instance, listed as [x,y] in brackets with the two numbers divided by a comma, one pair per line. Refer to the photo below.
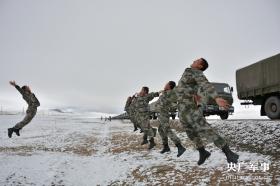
[79,150]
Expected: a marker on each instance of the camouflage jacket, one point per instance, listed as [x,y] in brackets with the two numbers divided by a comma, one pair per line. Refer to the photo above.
[167,101]
[30,98]
[203,97]
[191,81]
[142,103]
[132,107]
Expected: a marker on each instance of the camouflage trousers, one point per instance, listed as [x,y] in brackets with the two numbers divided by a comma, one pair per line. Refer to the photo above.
[196,125]
[165,130]
[143,119]
[30,113]
[134,120]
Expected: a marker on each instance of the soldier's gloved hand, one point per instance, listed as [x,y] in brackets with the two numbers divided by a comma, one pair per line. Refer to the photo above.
[222,103]
[13,83]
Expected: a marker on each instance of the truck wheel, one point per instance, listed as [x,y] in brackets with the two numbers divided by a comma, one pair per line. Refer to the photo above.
[272,107]
[224,116]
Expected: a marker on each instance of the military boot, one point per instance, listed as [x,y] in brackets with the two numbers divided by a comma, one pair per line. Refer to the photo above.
[135,129]
[231,156]
[181,149]
[203,155]
[165,148]
[145,139]
[152,143]
[155,131]
[16,131]
[10,132]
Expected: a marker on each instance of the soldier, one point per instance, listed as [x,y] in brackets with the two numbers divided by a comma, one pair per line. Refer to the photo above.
[32,102]
[192,118]
[130,111]
[143,115]
[165,102]
[133,111]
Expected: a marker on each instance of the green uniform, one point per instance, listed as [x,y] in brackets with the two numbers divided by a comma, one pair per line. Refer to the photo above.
[134,111]
[143,112]
[165,102]
[131,111]
[31,111]
[190,116]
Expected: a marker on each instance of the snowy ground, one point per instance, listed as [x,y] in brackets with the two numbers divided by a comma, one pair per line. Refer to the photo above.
[79,150]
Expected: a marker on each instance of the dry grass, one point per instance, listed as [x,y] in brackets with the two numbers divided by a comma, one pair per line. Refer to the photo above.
[169,175]
[84,147]
[124,142]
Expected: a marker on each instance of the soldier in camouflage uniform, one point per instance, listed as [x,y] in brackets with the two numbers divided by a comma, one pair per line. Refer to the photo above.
[32,102]
[192,118]
[134,111]
[163,105]
[131,111]
[128,108]
[143,115]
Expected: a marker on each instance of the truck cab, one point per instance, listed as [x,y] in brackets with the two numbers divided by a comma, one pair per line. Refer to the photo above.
[209,106]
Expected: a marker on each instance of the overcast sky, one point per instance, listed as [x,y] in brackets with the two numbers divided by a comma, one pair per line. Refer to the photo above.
[93,54]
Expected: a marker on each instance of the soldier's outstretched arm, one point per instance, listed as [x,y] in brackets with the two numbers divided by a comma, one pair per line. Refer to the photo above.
[161,91]
[13,83]
[152,95]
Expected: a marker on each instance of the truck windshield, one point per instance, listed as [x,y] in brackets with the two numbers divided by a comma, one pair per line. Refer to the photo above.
[220,88]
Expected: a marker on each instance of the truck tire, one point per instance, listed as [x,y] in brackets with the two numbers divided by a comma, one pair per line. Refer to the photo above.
[272,107]
[224,116]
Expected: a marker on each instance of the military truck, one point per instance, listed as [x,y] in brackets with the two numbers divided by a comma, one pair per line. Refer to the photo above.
[259,84]
[207,104]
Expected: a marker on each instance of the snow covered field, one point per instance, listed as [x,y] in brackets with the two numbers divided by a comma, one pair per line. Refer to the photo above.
[80,150]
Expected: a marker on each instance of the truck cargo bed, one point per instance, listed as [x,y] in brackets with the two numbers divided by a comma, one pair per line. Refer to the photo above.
[259,78]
